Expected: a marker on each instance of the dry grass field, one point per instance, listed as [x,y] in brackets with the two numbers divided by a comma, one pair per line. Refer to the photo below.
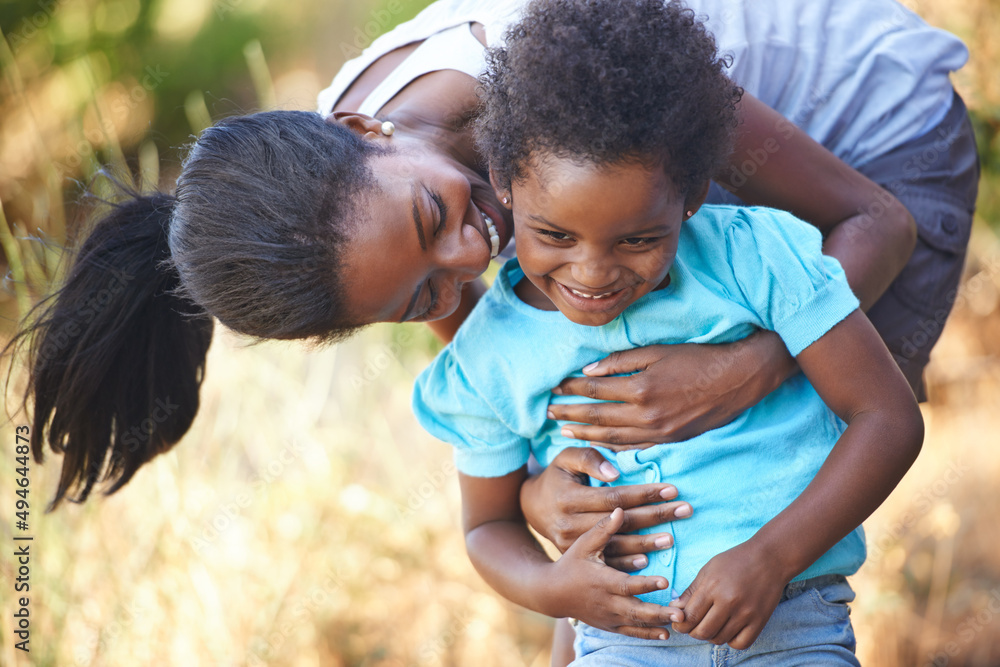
[307,520]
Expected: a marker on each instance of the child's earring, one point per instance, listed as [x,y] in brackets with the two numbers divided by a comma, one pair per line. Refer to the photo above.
[388,128]
[690,213]
[505,199]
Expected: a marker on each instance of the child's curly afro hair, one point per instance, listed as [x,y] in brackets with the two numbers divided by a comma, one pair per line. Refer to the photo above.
[607,81]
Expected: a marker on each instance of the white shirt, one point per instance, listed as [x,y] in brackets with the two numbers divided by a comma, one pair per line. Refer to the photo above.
[859,76]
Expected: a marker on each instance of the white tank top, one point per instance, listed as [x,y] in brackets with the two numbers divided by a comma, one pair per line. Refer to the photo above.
[453,48]
[448,43]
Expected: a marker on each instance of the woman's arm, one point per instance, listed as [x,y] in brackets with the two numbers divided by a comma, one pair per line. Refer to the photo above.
[735,593]
[579,584]
[776,164]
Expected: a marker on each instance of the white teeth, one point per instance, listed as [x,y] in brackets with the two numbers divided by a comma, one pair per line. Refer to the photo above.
[590,296]
[494,235]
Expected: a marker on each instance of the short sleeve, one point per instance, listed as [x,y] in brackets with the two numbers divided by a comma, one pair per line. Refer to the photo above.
[779,265]
[451,409]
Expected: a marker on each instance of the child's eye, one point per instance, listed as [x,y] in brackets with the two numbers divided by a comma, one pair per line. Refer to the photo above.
[638,241]
[555,236]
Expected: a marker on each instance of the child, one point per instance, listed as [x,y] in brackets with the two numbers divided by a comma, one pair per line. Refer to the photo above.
[602,121]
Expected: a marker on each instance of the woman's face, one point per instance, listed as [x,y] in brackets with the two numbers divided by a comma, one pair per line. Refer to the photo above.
[422,237]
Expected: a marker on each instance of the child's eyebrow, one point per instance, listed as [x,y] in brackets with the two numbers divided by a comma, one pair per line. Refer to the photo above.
[541,219]
[661,228]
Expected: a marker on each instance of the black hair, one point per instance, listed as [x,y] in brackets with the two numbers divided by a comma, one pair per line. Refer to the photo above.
[607,81]
[116,357]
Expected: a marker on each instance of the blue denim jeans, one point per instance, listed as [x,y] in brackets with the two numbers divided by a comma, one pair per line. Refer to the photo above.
[810,626]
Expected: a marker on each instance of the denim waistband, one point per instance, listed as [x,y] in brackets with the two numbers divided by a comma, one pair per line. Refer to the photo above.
[794,588]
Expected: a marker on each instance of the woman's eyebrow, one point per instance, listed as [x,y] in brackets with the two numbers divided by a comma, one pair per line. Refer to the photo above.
[417,221]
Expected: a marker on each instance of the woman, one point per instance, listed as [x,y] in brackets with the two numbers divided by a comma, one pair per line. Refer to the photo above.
[248,239]
[868,80]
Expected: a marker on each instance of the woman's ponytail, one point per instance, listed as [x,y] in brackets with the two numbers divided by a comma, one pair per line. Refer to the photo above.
[116,356]
[253,238]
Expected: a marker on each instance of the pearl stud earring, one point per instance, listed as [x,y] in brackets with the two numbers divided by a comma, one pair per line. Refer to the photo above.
[505,200]
[690,213]
[388,128]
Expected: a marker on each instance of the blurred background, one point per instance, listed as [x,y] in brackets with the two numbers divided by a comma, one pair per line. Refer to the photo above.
[306,519]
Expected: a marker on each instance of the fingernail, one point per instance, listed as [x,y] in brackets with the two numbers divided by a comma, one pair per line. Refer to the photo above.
[589,367]
[675,618]
[663,542]
[668,492]
[557,390]
[661,584]
[607,469]
[683,511]
[663,636]
[550,414]
[566,433]
[640,562]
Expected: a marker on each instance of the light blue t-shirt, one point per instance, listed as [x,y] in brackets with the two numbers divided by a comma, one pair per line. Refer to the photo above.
[737,270]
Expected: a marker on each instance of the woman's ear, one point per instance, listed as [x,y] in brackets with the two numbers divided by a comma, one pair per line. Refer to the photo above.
[502,194]
[357,122]
[696,198]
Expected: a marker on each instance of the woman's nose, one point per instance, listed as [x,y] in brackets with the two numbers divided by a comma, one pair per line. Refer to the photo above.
[463,258]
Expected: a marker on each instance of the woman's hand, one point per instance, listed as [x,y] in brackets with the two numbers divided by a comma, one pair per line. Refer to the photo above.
[582,586]
[676,391]
[560,505]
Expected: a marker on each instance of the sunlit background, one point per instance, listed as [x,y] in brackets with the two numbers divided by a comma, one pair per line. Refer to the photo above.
[306,519]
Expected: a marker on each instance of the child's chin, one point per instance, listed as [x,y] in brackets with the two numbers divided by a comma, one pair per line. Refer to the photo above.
[595,319]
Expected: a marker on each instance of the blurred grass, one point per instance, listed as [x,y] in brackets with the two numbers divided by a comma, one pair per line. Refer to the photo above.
[307,519]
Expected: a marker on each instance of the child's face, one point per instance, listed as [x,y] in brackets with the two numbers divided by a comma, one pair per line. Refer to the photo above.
[594,239]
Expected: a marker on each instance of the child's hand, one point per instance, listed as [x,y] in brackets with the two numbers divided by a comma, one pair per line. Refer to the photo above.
[584,587]
[732,597]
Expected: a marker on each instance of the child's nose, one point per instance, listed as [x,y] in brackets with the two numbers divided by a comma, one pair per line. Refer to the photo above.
[593,273]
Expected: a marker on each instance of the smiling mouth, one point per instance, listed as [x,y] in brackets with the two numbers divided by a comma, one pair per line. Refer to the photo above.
[603,295]
[602,302]
[489,232]
[494,235]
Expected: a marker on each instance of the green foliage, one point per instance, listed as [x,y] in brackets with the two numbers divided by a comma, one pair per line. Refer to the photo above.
[125,83]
